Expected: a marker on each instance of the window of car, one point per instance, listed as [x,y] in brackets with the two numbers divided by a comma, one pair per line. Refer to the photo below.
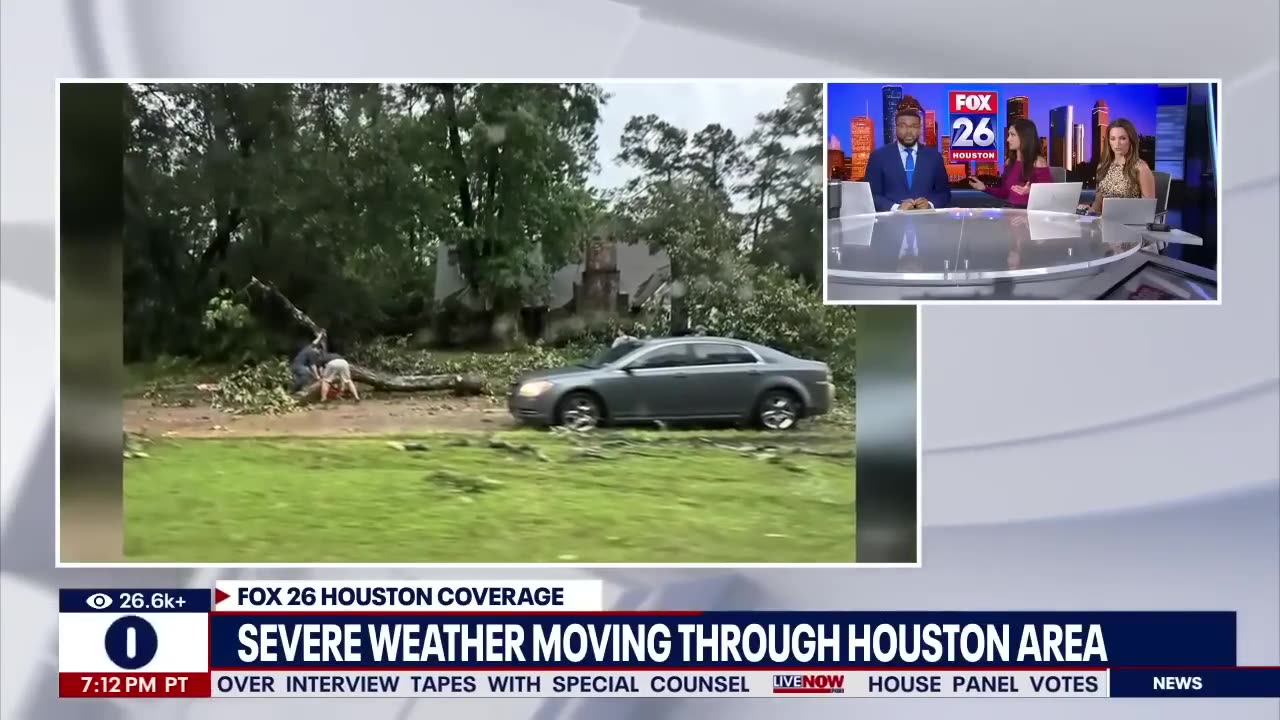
[664,357]
[722,354]
[614,354]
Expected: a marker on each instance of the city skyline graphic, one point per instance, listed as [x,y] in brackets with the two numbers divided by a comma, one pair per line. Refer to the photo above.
[1070,119]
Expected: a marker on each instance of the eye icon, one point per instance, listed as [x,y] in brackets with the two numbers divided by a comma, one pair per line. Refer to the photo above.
[99,601]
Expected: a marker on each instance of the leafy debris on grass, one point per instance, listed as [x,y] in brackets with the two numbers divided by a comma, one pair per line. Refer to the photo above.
[133,445]
[515,449]
[164,396]
[394,507]
[256,389]
[457,482]
[408,446]
[589,453]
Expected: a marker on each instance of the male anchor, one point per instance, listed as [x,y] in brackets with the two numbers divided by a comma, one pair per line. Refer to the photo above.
[907,175]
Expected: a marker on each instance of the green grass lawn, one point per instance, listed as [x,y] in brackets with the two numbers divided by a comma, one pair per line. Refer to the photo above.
[646,497]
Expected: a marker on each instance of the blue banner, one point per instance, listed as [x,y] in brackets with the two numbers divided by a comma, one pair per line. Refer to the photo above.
[1196,682]
[126,600]
[720,640]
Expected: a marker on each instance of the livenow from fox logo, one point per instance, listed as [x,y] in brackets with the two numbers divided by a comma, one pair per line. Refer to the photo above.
[808,684]
[974,126]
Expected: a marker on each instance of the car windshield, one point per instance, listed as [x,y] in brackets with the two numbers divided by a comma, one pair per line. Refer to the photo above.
[613,354]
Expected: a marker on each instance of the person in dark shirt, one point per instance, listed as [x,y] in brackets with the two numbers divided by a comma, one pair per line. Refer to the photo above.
[306,365]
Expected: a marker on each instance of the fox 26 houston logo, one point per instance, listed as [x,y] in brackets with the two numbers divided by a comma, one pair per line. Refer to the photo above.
[973,125]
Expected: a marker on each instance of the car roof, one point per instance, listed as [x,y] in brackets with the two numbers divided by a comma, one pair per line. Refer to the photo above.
[676,339]
[764,351]
[696,338]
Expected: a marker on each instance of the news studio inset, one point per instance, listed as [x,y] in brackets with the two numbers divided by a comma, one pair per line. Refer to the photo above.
[1046,191]
[552,639]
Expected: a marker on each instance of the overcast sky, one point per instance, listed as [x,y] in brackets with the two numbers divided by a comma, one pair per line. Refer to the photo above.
[689,105]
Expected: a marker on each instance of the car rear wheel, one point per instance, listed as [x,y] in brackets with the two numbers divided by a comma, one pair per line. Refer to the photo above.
[778,410]
[579,411]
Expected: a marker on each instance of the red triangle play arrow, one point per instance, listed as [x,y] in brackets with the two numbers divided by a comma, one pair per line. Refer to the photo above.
[219,596]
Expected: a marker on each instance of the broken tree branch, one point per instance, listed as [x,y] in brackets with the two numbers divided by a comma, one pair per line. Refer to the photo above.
[298,316]
[459,384]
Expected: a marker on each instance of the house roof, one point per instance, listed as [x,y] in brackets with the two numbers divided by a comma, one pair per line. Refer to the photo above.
[641,273]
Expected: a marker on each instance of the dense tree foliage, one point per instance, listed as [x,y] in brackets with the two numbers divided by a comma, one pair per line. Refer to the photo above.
[345,195]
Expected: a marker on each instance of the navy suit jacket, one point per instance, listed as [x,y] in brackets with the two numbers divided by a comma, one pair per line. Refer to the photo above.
[888,178]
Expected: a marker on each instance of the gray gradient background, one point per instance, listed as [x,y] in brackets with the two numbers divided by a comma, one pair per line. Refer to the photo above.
[1075,457]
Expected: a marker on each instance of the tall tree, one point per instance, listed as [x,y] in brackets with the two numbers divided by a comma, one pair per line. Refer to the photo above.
[519,157]
[680,202]
[785,185]
[716,157]
[654,146]
[773,170]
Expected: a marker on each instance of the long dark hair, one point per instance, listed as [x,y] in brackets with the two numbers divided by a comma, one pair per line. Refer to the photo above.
[1028,148]
[1130,160]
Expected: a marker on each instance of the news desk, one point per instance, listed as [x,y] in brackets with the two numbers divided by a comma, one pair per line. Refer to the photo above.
[974,253]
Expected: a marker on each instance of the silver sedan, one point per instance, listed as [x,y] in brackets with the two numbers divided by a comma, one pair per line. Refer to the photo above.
[677,379]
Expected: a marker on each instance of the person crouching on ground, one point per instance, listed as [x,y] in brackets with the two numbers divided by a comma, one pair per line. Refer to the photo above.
[335,375]
[316,368]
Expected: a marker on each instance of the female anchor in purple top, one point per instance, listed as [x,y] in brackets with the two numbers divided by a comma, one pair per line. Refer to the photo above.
[1025,166]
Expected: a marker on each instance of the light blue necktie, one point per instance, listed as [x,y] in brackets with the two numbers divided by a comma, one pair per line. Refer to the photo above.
[911,166]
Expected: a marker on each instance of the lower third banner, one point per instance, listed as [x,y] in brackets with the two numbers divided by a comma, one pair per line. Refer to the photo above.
[754,683]
[176,643]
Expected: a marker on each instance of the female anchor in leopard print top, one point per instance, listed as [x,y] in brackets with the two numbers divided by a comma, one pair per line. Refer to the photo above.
[1121,173]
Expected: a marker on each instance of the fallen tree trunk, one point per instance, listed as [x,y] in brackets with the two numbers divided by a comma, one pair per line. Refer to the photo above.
[459,384]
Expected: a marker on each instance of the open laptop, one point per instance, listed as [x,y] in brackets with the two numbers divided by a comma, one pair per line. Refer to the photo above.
[855,199]
[1055,197]
[1129,211]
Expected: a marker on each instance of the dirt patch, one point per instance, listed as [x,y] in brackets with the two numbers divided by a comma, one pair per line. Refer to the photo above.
[345,418]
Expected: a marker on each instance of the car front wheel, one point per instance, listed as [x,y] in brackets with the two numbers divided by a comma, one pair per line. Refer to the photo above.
[778,410]
[579,411]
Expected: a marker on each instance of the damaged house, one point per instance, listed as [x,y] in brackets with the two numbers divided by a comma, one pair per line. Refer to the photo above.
[613,279]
